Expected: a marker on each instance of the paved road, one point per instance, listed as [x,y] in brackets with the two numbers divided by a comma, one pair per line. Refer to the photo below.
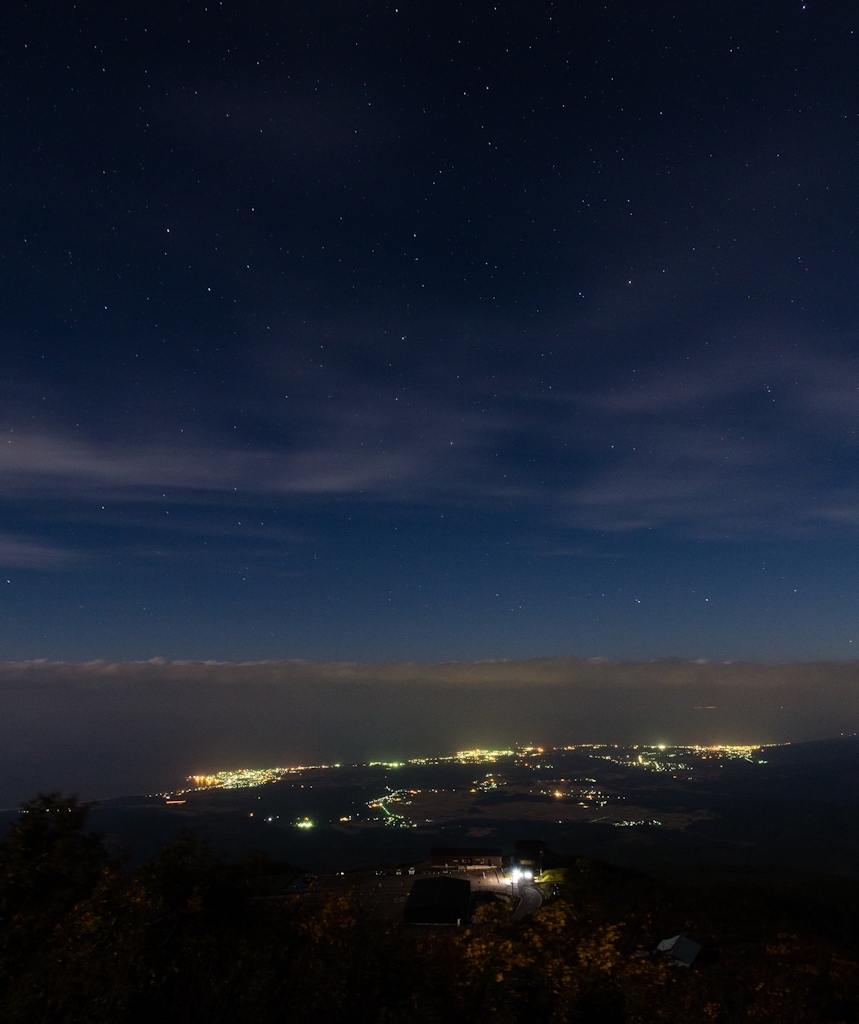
[530,901]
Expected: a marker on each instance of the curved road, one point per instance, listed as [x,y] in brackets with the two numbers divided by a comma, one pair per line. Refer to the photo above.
[529,902]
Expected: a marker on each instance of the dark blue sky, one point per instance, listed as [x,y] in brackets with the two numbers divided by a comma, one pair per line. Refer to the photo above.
[429,330]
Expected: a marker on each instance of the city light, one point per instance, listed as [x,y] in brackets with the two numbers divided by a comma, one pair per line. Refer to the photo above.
[248,778]
[659,757]
[394,818]
[469,756]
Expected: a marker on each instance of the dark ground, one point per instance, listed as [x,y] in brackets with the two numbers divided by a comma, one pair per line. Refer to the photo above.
[796,813]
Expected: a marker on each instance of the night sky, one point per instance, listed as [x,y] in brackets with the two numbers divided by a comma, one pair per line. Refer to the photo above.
[433,331]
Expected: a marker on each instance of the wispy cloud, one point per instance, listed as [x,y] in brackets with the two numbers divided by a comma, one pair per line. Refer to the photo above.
[727,444]
[41,464]
[21,553]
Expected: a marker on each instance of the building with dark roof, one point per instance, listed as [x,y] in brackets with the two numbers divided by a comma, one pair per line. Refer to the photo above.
[463,858]
[438,900]
[682,949]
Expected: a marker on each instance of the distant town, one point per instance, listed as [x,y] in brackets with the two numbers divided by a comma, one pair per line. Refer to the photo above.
[656,758]
[585,782]
[639,805]
[469,811]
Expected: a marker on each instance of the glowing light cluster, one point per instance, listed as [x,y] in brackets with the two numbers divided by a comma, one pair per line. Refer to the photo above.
[393,817]
[487,783]
[247,778]
[470,756]
[663,758]
[657,757]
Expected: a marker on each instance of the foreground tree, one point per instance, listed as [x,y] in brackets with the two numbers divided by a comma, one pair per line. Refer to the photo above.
[48,864]
[187,938]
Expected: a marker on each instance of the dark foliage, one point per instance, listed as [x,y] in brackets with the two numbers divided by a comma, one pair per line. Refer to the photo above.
[188,938]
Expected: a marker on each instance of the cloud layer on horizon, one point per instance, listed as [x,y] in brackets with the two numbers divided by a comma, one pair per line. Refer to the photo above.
[106,729]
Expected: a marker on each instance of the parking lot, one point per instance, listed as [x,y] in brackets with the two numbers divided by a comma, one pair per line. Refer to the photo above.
[384,895]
